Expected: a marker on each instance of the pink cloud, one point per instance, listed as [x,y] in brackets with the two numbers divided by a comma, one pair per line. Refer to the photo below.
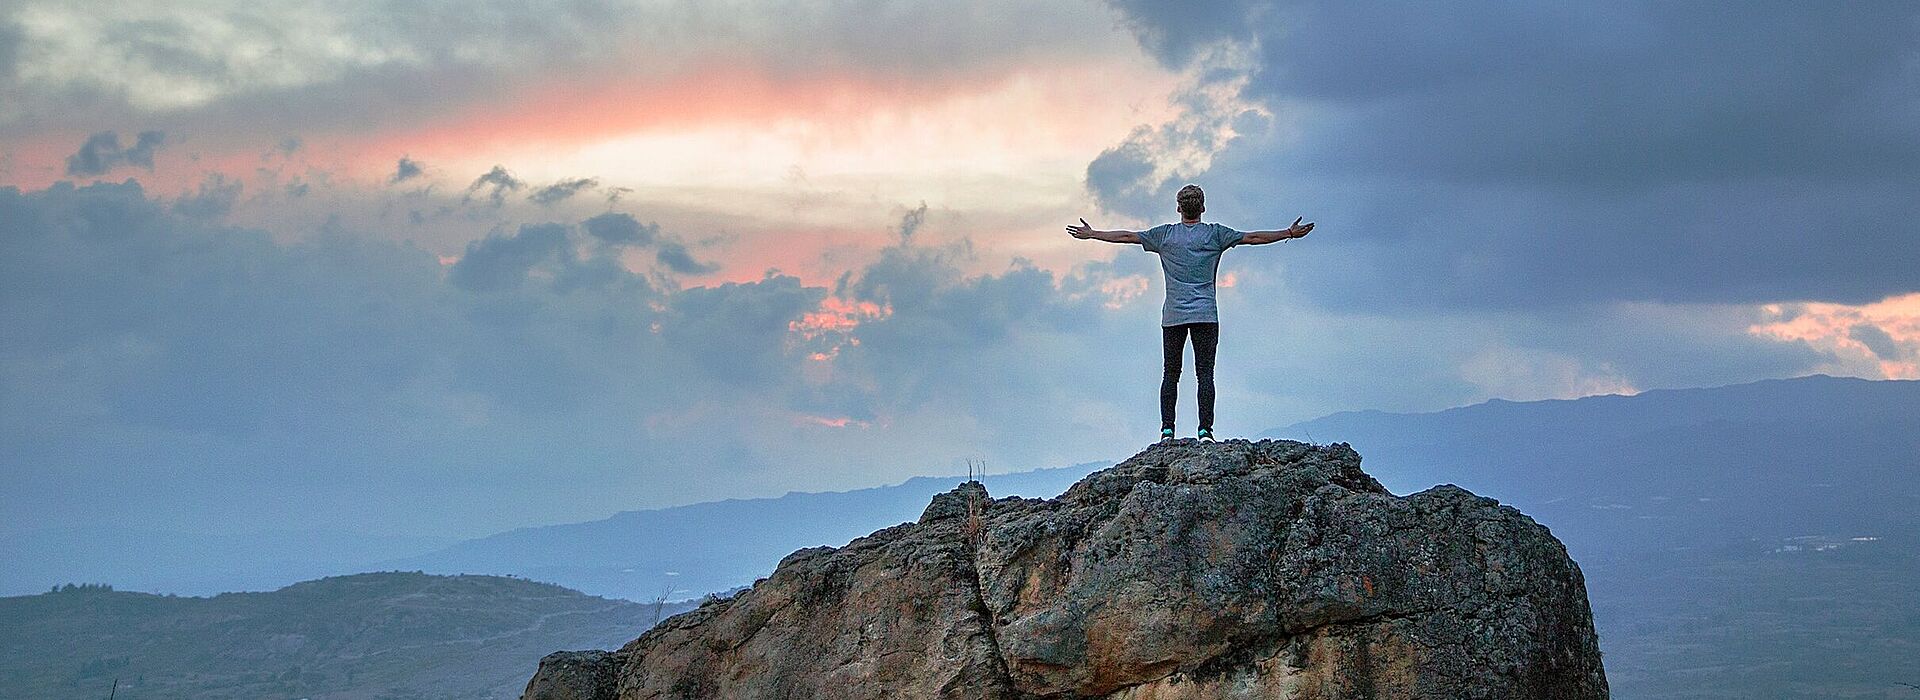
[1881,339]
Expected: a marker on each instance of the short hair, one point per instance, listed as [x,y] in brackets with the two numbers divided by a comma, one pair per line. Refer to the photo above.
[1191,200]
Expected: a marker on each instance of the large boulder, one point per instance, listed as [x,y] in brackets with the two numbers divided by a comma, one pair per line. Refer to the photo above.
[1269,569]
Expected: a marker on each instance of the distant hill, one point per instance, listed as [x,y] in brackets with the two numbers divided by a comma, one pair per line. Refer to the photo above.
[1667,469]
[637,555]
[1758,540]
[1745,466]
[705,547]
[367,636]
[190,563]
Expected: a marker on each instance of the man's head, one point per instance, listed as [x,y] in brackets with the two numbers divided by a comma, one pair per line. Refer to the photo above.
[1191,201]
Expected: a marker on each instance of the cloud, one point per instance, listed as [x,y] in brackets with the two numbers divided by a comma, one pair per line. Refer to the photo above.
[1124,174]
[911,221]
[503,262]
[102,152]
[212,200]
[215,370]
[10,39]
[496,183]
[676,257]
[562,190]
[167,366]
[1140,175]
[618,228]
[168,370]
[1181,33]
[1877,341]
[1881,339]
[408,169]
[230,69]
[1522,156]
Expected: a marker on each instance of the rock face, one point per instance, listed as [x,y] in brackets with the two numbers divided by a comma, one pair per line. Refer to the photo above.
[1270,569]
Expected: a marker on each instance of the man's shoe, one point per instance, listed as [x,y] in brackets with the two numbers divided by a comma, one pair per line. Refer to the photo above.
[1206,435]
[1166,435]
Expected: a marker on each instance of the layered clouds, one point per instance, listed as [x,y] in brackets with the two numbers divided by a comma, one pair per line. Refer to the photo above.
[444,269]
[439,76]
[1623,196]
[177,371]
[1505,156]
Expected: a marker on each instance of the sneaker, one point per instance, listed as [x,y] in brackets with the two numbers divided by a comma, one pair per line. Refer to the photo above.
[1206,435]
[1166,435]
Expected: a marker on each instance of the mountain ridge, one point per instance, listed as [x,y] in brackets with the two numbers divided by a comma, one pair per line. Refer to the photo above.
[638,554]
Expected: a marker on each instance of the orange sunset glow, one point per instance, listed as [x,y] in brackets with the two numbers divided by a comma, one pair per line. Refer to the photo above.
[777,348]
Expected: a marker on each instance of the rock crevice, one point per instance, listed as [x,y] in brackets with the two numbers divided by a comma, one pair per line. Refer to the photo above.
[1269,569]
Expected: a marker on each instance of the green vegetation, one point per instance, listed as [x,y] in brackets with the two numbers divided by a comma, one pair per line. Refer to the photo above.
[366,636]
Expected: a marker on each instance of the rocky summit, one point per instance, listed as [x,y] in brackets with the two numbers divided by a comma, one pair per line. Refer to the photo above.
[1270,569]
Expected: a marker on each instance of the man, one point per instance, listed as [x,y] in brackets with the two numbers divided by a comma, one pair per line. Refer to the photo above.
[1189,255]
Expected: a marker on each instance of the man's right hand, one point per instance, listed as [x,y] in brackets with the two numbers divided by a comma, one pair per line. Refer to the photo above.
[1084,230]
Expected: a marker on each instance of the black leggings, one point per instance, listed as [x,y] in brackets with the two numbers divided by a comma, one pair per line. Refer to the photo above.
[1173,341]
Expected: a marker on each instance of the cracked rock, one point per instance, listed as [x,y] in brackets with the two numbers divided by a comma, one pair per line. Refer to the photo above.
[1270,569]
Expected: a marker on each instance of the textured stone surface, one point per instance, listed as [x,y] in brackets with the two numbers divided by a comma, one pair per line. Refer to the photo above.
[1271,569]
[576,675]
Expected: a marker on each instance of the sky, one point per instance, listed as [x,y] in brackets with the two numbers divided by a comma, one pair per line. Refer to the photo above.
[446,268]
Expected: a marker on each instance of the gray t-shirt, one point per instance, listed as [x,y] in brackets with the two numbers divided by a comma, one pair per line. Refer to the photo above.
[1190,255]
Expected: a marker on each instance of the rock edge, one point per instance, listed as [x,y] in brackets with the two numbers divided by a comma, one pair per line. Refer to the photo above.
[1270,569]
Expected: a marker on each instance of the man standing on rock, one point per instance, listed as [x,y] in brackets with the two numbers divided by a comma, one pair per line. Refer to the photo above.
[1190,257]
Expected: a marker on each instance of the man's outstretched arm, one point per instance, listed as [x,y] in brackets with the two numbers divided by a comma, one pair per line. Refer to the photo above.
[1085,230]
[1260,237]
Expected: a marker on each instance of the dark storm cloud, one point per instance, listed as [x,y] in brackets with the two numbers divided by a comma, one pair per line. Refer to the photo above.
[1179,32]
[1518,155]
[405,170]
[1617,94]
[102,152]
[562,190]
[495,183]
